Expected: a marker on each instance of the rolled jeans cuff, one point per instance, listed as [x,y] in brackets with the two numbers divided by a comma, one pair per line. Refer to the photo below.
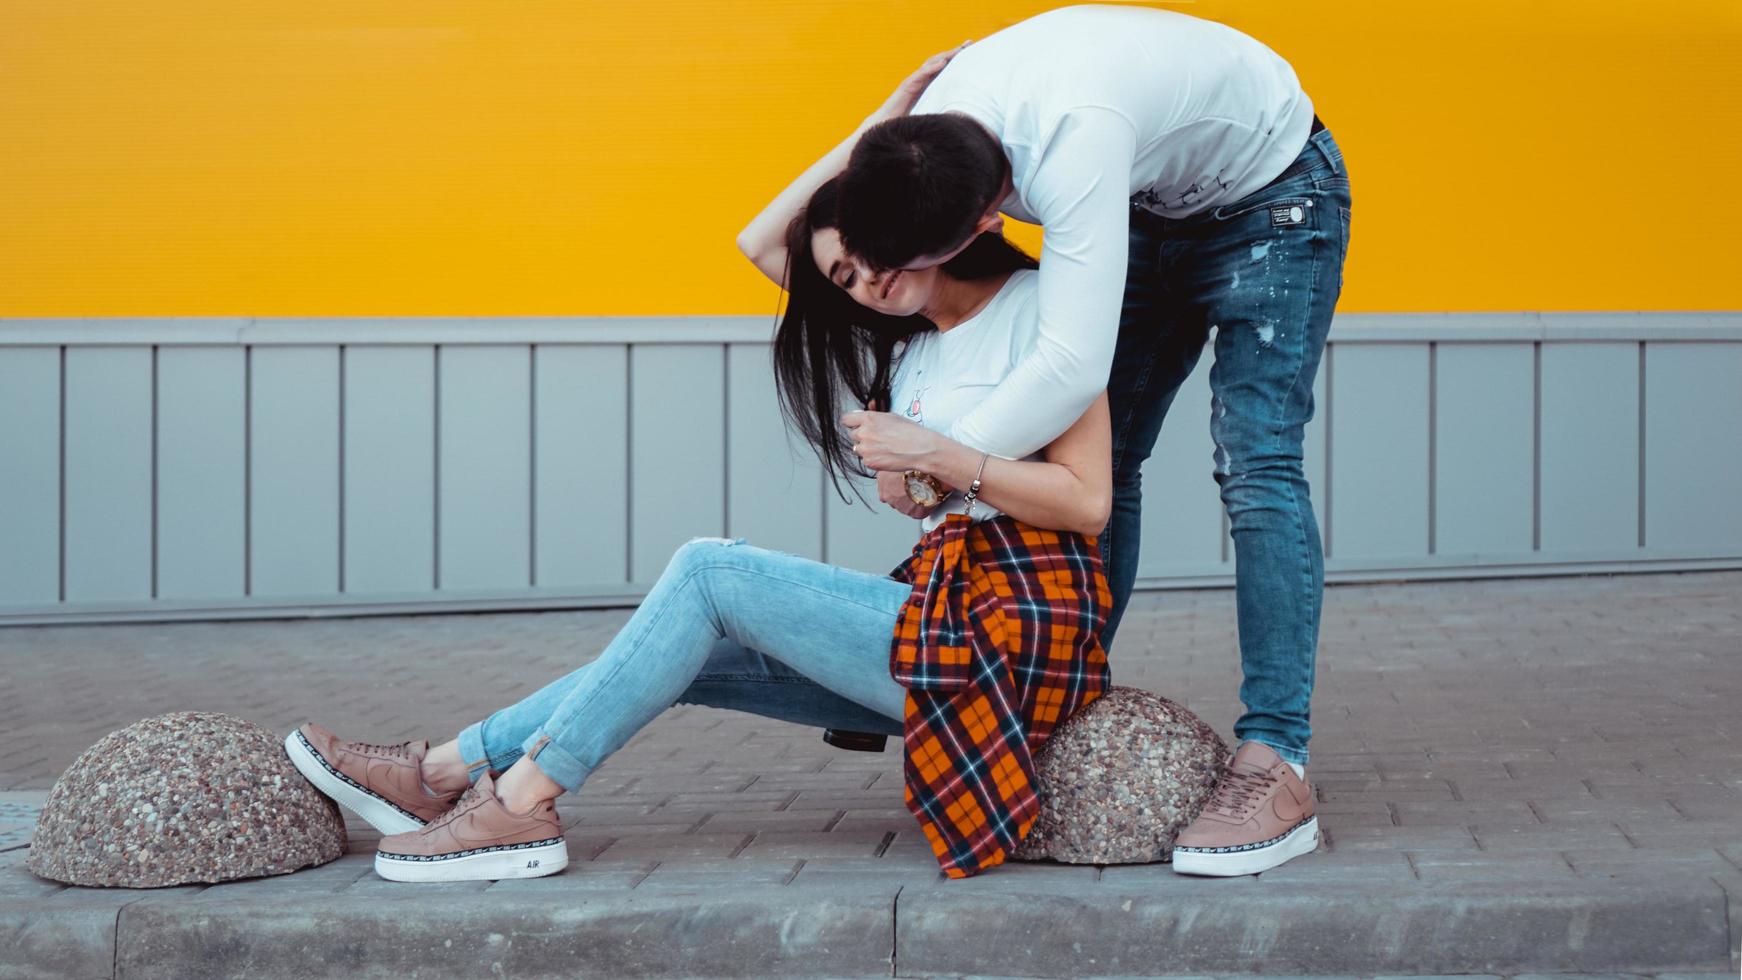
[473,753]
[555,761]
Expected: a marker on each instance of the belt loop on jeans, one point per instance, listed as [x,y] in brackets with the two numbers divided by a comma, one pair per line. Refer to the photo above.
[1312,137]
[1302,163]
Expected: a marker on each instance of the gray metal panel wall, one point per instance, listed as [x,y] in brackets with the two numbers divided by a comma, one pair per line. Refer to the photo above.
[30,477]
[581,463]
[293,463]
[201,454]
[389,457]
[1484,450]
[235,468]
[108,464]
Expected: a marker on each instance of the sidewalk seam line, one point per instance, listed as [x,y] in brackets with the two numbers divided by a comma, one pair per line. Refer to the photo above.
[894,934]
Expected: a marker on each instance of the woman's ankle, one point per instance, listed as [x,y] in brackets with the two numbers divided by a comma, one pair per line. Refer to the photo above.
[524,787]
[443,771]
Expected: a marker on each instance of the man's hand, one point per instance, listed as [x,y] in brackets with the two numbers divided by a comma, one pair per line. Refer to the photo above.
[910,89]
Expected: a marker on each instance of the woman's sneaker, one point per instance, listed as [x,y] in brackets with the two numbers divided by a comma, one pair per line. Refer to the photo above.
[1261,815]
[383,784]
[478,840]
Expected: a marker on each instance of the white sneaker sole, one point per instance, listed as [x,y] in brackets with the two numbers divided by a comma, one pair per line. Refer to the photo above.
[1303,839]
[379,813]
[488,864]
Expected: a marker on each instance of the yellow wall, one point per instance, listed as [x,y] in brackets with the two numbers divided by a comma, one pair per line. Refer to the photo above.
[210,157]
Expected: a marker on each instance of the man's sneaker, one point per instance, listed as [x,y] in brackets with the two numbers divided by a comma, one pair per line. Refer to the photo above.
[383,784]
[478,840]
[1261,815]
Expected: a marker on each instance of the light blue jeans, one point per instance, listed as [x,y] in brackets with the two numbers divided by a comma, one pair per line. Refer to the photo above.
[729,625]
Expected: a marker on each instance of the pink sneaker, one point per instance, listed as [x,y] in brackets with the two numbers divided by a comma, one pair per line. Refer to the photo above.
[383,784]
[1261,815]
[478,840]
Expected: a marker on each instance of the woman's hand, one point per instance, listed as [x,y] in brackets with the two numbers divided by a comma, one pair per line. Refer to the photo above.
[892,484]
[888,442]
[910,89]
[892,490]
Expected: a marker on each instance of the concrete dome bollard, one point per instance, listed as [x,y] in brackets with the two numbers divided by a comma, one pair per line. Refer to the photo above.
[180,798]
[1120,779]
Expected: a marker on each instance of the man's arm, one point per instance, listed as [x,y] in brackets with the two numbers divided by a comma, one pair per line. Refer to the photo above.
[1081,193]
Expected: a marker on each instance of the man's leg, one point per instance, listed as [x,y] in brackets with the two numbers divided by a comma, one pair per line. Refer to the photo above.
[1157,348]
[1268,270]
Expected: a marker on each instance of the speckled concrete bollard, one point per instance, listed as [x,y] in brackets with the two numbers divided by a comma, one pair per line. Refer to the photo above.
[183,797]
[1120,778]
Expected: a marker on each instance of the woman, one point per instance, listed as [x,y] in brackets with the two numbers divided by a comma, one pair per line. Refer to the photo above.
[726,618]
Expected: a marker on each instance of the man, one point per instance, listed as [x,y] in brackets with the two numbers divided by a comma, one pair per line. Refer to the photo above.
[1184,184]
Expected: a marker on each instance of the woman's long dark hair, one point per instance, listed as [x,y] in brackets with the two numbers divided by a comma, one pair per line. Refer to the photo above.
[828,348]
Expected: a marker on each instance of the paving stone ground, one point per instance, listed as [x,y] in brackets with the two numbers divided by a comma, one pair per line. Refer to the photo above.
[1572,746]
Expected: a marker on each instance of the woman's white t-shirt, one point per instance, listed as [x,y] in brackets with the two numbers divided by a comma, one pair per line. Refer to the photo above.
[941,376]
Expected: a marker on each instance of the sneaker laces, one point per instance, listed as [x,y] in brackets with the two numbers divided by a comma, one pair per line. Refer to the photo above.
[369,748]
[451,812]
[1239,792]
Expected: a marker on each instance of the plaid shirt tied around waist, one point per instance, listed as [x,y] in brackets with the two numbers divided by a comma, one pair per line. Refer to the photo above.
[997,645]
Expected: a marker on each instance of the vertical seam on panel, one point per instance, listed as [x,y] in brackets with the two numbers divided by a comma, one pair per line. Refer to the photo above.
[435,477]
[63,473]
[1330,479]
[1433,398]
[726,439]
[248,470]
[532,466]
[343,353]
[628,462]
[154,450]
[1536,448]
[1642,444]
[823,484]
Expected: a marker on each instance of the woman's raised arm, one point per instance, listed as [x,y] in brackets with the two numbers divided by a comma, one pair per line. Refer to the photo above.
[763,240]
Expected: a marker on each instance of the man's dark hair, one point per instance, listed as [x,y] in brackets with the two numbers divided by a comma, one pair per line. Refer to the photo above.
[915,186]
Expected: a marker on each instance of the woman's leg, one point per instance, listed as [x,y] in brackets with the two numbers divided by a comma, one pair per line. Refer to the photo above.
[734,677]
[747,680]
[829,625]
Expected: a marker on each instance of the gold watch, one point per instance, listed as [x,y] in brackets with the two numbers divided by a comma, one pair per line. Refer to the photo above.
[923,488]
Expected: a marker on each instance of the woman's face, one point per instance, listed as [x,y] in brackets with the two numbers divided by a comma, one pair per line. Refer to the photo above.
[899,293]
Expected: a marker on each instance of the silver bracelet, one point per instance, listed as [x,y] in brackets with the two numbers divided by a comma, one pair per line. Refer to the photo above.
[974,488]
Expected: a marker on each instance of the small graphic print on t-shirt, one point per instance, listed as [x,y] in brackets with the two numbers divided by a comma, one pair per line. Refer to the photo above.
[915,412]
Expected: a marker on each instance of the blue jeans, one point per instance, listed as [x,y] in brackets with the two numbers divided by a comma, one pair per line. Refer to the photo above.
[728,625]
[1265,272]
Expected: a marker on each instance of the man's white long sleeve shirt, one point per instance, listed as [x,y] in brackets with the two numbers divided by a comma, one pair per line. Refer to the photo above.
[1099,107]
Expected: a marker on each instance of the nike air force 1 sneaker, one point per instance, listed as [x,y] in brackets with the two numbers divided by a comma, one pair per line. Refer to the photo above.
[1261,815]
[383,784]
[478,840]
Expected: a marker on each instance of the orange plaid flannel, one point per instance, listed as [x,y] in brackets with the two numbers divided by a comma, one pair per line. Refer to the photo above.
[998,644]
